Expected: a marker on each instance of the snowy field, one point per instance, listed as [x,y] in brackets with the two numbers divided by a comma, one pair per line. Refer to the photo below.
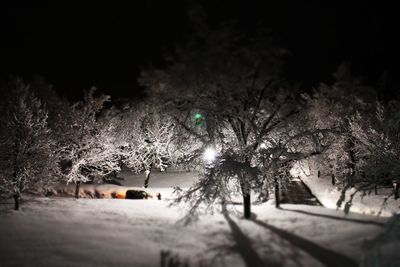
[61,231]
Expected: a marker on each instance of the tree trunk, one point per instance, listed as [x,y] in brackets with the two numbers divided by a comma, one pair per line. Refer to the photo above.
[333,180]
[147,173]
[266,194]
[396,190]
[352,163]
[277,196]
[376,189]
[16,201]
[244,186]
[319,173]
[350,180]
[77,186]
[247,205]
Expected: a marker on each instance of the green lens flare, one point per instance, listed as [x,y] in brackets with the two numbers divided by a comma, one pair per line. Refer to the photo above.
[198,119]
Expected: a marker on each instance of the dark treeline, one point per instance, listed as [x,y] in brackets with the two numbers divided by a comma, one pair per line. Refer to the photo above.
[219,91]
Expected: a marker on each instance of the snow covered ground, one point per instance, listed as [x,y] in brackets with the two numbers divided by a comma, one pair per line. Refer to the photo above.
[61,231]
[167,179]
[328,195]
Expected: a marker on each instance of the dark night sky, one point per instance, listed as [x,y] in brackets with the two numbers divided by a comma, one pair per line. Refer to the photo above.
[105,43]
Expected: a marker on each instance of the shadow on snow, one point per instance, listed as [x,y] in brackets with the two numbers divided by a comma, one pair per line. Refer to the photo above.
[381,224]
[328,257]
[244,246]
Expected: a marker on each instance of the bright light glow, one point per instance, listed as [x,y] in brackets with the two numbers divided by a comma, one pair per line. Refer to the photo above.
[263,146]
[210,154]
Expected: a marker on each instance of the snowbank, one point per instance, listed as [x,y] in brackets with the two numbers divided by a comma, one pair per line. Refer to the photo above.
[329,195]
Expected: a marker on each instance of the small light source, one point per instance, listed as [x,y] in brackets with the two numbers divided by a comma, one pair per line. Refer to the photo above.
[198,119]
[210,154]
[263,146]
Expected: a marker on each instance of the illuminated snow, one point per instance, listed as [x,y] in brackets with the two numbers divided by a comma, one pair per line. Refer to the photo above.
[111,232]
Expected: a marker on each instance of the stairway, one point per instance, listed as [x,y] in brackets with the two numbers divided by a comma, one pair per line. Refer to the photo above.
[296,192]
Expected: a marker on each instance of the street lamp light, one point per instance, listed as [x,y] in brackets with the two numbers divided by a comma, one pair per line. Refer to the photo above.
[209,154]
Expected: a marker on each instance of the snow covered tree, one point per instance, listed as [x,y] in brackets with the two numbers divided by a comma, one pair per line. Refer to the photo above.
[27,152]
[333,106]
[146,138]
[377,144]
[228,93]
[87,155]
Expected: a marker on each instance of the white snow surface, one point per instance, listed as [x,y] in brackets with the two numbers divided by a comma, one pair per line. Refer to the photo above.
[329,195]
[60,231]
[384,249]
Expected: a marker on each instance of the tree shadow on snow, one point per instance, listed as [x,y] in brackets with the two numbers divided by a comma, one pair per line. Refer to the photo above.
[244,246]
[381,224]
[328,257]
[272,249]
